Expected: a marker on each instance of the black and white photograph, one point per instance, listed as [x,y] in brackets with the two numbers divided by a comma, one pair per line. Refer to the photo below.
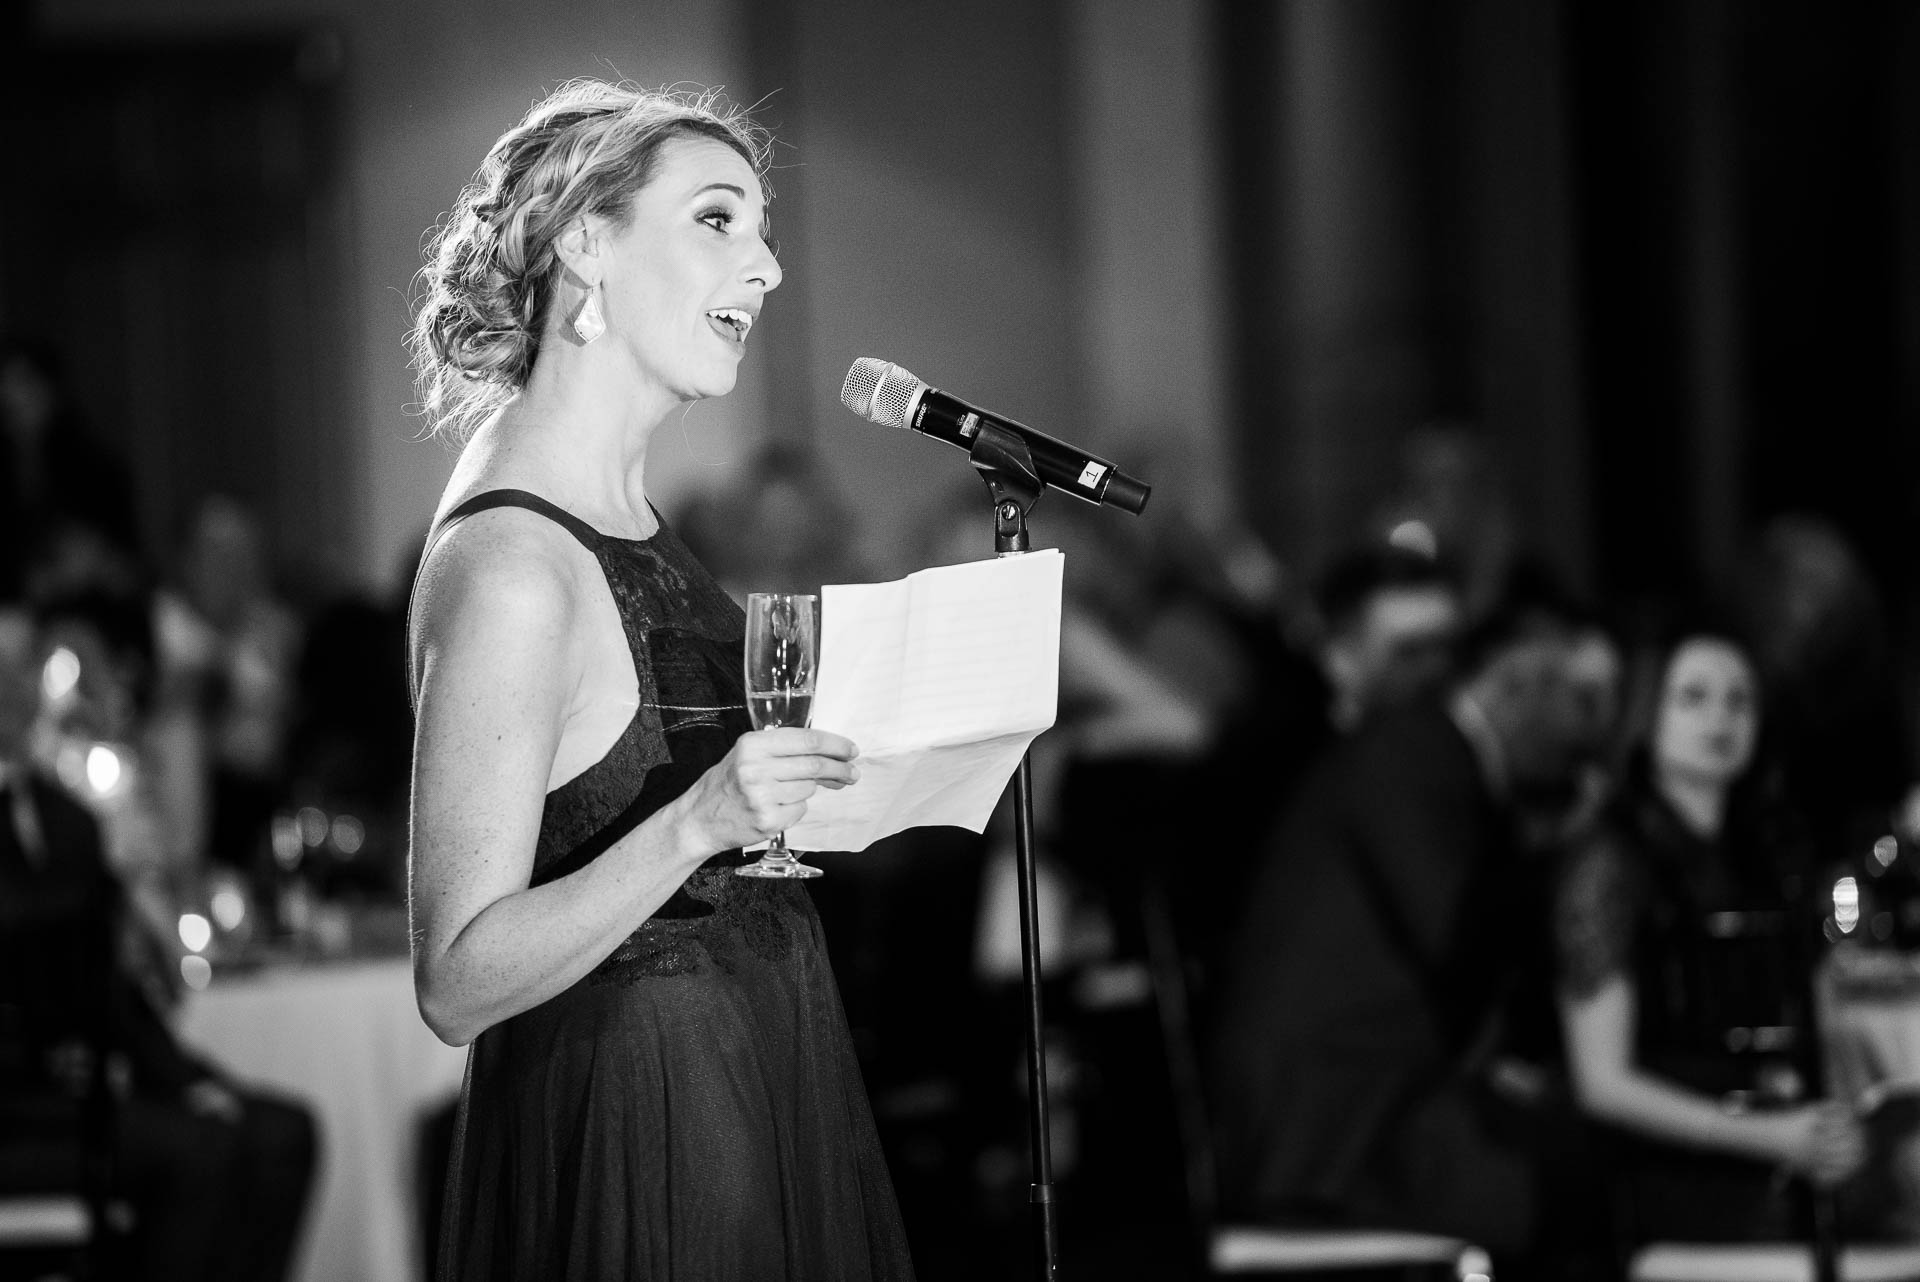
[872,640]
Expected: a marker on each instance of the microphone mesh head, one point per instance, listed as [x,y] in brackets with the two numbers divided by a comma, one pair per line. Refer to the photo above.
[880,391]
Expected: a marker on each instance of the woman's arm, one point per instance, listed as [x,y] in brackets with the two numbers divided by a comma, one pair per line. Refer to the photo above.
[499,665]
[1820,1141]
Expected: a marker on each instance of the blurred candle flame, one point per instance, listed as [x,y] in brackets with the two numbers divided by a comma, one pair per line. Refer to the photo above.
[287,845]
[313,825]
[196,932]
[103,769]
[349,834]
[60,675]
[1846,904]
[229,908]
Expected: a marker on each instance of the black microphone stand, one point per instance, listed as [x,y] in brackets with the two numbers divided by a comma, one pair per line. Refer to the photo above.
[1004,462]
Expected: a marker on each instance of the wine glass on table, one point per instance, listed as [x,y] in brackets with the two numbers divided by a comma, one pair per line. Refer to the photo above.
[783,649]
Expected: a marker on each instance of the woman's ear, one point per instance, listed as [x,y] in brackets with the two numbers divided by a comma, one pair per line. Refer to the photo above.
[579,249]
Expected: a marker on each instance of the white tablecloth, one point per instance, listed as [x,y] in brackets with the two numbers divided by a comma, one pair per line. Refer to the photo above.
[346,1038]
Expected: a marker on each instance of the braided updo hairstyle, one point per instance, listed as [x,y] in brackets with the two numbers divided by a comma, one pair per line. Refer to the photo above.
[491,265]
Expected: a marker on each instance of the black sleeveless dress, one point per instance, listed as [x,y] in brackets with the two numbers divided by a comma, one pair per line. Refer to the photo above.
[691,1108]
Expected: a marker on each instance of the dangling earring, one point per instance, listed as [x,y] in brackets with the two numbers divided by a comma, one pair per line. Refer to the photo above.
[588,323]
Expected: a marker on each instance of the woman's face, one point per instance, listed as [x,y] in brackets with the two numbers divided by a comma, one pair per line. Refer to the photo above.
[685,278]
[1709,716]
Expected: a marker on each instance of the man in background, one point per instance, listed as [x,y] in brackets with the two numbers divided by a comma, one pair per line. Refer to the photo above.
[1390,618]
[1385,924]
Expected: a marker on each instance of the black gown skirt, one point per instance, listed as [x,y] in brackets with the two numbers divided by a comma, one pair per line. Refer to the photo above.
[692,1108]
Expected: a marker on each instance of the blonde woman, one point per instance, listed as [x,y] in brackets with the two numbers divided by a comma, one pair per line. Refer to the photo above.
[661,1083]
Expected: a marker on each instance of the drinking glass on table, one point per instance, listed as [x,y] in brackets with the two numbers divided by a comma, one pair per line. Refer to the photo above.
[783,649]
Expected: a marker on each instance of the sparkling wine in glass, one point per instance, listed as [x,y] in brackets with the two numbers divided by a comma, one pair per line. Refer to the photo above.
[783,649]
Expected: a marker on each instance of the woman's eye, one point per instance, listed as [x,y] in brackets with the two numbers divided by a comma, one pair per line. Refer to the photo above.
[718,219]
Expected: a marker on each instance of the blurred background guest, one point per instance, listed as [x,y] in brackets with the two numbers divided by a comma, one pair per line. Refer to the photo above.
[348,739]
[781,525]
[1448,499]
[95,735]
[1826,662]
[1388,915]
[67,515]
[1390,617]
[1684,969]
[97,1091]
[228,650]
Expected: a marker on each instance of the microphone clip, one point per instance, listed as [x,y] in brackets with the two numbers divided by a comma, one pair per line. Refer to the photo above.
[1006,465]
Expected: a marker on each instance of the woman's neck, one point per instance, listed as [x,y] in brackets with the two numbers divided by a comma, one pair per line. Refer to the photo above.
[580,430]
[1702,806]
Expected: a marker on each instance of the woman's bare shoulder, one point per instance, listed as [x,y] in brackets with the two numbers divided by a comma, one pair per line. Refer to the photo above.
[502,568]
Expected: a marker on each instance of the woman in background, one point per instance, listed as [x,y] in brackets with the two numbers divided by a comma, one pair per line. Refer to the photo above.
[1673,927]
[661,1083]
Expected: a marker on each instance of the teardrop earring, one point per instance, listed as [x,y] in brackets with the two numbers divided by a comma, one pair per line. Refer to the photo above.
[588,323]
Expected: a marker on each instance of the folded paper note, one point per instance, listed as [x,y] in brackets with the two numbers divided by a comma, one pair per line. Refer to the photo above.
[942,678]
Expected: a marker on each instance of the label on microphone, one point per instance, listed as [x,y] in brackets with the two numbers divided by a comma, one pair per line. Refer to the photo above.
[969,424]
[1090,474]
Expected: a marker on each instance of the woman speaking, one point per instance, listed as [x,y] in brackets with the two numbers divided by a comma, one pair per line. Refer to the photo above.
[661,1083]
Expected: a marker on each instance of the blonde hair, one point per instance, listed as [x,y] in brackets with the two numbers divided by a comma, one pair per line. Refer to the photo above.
[491,266]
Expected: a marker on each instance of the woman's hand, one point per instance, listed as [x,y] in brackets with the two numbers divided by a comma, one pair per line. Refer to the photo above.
[761,787]
[1823,1142]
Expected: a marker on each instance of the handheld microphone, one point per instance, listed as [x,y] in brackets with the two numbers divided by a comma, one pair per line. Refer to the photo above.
[883,393]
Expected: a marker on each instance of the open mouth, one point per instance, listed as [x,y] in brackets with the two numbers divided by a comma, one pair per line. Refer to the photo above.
[732,322]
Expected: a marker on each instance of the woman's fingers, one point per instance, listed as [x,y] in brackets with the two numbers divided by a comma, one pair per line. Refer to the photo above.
[801,741]
[792,753]
[766,780]
[781,768]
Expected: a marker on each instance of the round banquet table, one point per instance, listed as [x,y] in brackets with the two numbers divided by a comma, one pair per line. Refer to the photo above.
[346,1038]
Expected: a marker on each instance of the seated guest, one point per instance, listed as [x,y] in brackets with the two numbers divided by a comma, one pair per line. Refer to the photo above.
[1387,915]
[97,682]
[57,475]
[1828,665]
[228,648]
[1391,616]
[1674,926]
[1380,633]
[217,1176]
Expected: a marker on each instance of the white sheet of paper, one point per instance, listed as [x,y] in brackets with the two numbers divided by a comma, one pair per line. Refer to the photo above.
[942,678]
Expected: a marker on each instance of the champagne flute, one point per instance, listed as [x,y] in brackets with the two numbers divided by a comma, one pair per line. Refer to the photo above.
[783,649]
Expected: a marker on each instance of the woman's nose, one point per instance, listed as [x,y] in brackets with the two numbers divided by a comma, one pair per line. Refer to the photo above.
[764,270]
